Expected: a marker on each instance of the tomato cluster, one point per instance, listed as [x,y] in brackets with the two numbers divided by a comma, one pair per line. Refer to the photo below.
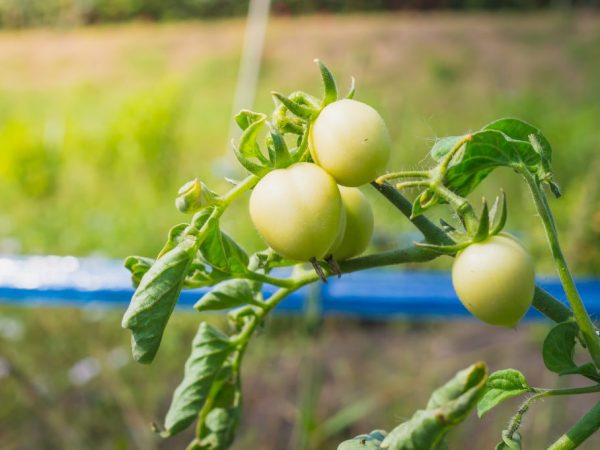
[310,211]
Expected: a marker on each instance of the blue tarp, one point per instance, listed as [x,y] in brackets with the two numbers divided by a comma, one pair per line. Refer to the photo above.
[66,280]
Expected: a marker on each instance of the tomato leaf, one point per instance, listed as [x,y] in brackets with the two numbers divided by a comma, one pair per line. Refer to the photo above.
[210,350]
[559,349]
[222,252]
[138,266]
[448,406]
[227,295]
[248,148]
[443,146]
[487,150]
[155,298]
[500,386]
[520,130]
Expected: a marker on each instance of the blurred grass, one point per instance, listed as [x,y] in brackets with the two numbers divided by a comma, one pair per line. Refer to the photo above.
[100,126]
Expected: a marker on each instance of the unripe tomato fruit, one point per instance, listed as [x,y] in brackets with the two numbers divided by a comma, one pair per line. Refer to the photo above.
[495,280]
[298,211]
[359,224]
[350,140]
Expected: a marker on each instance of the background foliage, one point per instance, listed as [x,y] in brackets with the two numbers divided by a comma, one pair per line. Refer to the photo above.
[100,126]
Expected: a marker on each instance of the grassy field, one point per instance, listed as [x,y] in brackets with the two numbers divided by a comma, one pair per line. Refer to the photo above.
[100,126]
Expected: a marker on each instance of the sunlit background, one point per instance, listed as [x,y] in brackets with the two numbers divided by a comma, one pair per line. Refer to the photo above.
[108,106]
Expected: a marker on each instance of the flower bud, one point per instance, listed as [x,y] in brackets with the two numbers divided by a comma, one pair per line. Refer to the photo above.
[193,196]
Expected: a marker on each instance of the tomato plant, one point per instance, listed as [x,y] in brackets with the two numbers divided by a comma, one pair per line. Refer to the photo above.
[298,209]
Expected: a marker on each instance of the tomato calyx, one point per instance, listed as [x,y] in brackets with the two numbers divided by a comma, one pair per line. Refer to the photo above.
[488,226]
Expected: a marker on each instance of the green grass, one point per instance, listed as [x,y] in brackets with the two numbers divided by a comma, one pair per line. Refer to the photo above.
[100,126]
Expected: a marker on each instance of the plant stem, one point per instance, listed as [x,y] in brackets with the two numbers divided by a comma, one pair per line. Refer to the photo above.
[550,306]
[431,232]
[581,316]
[246,184]
[583,429]
[566,391]
[542,300]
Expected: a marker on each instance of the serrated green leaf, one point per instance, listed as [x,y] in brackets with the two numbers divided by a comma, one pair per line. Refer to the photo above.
[443,146]
[486,151]
[559,349]
[227,295]
[210,350]
[520,130]
[222,252]
[155,298]
[448,406]
[502,385]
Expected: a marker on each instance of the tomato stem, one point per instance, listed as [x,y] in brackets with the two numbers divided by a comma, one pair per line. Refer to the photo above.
[583,429]
[581,316]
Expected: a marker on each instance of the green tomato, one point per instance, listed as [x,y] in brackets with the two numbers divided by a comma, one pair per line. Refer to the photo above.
[359,224]
[350,140]
[298,211]
[495,280]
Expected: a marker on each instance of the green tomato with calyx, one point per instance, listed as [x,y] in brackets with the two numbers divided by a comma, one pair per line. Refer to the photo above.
[350,140]
[298,211]
[359,224]
[495,280]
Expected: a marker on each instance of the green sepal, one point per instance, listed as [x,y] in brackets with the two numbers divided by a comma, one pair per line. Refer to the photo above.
[448,406]
[329,86]
[155,298]
[501,223]
[559,349]
[450,250]
[210,350]
[352,90]
[302,152]
[500,386]
[296,108]
[227,295]
[279,154]
[483,230]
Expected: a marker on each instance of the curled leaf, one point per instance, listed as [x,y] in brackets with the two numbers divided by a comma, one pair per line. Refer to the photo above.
[210,350]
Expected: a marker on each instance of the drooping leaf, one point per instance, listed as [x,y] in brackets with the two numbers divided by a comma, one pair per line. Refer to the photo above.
[222,252]
[559,349]
[245,118]
[502,385]
[155,298]
[248,149]
[217,432]
[210,350]
[484,152]
[448,406]
[227,295]
[174,236]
